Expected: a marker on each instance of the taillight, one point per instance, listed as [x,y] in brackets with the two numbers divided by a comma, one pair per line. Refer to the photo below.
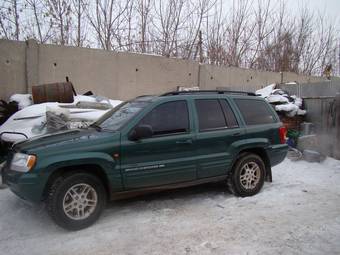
[282,135]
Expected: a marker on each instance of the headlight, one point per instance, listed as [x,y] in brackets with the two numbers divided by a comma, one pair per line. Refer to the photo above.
[22,162]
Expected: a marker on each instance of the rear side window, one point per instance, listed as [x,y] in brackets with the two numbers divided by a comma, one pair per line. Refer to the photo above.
[210,114]
[255,111]
[168,118]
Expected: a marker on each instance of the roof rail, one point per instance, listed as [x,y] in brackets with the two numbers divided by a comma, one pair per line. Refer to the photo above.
[176,93]
[145,96]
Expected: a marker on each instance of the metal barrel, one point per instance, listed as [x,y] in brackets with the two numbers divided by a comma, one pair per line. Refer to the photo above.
[61,92]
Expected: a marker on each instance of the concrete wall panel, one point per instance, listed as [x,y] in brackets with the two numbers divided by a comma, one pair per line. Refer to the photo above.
[87,69]
[115,75]
[12,68]
[140,74]
[212,77]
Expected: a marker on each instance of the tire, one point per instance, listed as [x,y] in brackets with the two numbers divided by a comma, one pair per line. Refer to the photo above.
[252,176]
[69,207]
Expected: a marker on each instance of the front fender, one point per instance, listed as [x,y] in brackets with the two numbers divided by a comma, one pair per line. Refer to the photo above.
[105,161]
[46,167]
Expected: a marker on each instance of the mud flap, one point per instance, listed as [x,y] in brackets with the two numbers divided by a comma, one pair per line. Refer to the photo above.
[269,177]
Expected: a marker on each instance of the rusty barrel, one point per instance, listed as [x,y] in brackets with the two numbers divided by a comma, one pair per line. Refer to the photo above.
[61,92]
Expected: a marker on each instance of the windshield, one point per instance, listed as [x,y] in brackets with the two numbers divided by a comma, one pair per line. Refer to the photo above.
[117,117]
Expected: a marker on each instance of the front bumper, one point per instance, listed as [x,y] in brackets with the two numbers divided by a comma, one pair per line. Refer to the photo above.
[24,185]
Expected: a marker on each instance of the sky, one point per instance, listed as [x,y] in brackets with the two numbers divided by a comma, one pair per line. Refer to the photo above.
[331,8]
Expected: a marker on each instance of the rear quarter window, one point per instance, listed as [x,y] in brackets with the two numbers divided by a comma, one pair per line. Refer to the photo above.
[255,112]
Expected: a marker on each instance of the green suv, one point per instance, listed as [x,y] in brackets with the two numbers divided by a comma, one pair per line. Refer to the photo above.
[150,143]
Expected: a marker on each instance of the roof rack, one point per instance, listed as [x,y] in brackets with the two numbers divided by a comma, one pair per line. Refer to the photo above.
[176,93]
[145,96]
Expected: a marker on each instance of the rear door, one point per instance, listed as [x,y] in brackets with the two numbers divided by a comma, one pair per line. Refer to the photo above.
[165,158]
[217,129]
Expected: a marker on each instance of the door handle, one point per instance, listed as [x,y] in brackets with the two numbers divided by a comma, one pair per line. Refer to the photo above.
[188,141]
[236,134]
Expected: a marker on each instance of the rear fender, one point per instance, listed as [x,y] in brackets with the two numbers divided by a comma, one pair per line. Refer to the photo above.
[254,145]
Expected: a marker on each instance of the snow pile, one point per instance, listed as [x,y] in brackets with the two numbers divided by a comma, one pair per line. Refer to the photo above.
[277,99]
[31,120]
[188,88]
[23,100]
[266,91]
[282,102]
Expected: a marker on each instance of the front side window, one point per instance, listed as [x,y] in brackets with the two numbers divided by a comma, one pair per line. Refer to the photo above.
[210,114]
[168,118]
[255,112]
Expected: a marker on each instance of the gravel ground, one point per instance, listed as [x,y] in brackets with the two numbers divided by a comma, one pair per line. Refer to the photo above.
[299,213]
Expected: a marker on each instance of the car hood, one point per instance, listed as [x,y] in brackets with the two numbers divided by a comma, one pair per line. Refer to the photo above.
[65,138]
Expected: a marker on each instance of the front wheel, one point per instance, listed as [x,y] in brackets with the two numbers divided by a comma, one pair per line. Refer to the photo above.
[76,201]
[247,176]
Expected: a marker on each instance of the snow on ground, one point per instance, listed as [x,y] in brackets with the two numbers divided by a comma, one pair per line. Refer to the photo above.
[299,213]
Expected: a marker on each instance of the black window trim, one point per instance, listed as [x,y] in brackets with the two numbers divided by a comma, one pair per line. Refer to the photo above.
[212,129]
[170,134]
[225,114]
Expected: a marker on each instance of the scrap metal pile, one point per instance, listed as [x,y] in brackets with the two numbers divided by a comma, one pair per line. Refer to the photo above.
[283,103]
[22,117]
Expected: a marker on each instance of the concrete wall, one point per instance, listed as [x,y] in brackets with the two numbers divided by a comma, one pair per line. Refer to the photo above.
[212,77]
[12,68]
[118,75]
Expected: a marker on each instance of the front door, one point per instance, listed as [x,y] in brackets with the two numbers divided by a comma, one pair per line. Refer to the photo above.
[165,158]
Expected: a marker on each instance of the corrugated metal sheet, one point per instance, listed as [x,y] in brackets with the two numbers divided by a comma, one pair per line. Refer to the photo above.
[316,89]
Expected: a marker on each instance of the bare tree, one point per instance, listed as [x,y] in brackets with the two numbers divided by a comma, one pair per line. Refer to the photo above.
[79,8]
[260,34]
[197,13]
[60,12]
[263,29]
[106,21]
[10,19]
[239,32]
[166,23]
[143,10]
[39,24]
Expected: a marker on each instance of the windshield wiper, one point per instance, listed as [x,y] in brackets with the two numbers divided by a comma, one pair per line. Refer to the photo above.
[96,126]
[99,128]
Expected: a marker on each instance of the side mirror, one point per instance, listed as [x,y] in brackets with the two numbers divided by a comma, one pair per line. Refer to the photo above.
[140,132]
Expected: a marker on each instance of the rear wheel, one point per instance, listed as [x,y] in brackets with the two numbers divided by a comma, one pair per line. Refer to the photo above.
[76,201]
[247,176]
